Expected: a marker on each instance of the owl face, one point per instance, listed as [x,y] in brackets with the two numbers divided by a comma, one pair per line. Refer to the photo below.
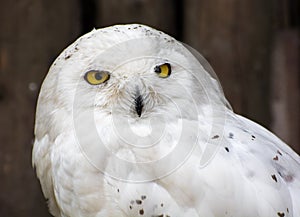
[130,71]
[137,78]
[130,98]
[128,89]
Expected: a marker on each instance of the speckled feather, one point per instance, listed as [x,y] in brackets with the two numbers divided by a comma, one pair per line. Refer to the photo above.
[249,172]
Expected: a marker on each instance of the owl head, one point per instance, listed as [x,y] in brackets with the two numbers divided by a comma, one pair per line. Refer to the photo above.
[139,77]
[132,69]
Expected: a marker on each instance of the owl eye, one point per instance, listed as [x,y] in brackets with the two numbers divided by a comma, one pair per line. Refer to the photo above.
[96,77]
[163,70]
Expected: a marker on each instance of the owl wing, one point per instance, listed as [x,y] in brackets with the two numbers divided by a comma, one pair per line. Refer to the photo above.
[275,155]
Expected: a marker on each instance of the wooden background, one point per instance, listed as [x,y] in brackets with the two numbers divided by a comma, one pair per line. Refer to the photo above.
[253,46]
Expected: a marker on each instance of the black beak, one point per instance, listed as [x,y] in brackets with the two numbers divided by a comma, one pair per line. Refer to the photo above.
[138,102]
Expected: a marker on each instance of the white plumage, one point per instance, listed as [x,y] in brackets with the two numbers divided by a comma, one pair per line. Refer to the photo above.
[130,124]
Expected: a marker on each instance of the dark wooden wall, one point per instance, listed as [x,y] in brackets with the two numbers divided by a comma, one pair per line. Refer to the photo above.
[32,33]
[253,46]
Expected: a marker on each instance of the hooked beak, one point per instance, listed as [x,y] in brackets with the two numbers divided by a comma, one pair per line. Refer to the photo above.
[138,103]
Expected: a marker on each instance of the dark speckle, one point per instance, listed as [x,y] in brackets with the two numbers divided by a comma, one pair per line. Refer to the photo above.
[279,152]
[275,158]
[253,137]
[227,149]
[130,207]
[68,56]
[287,209]
[161,204]
[288,178]
[231,135]
[274,177]
[280,214]
[215,136]
[161,215]
[143,197]
[135,27]
[141,212]
[138,202]
[118,190]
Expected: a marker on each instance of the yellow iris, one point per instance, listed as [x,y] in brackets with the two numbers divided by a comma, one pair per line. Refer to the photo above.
[96,77]
[163,70]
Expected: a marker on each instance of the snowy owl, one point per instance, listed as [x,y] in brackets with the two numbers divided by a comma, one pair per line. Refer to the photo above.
[132,123]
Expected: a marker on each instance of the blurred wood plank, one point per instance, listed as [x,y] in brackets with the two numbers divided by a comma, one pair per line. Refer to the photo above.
[235,38]
[32,34]
[159,14]
[286,87]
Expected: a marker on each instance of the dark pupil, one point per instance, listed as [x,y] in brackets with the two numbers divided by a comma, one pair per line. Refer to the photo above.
[157,69]
[98,76]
